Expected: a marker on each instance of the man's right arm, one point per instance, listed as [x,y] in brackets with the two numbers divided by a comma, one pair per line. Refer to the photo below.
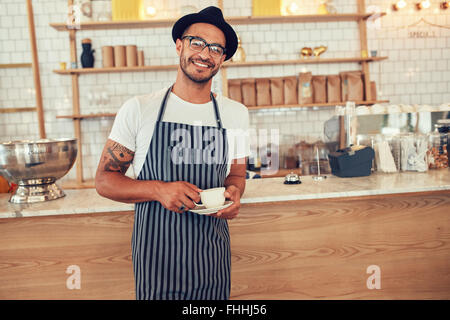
[111,181]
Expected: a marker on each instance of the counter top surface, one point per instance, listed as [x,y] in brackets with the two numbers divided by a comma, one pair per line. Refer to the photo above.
[79,201]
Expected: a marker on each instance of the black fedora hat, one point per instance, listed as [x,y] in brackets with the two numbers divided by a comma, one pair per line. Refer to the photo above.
[211,15]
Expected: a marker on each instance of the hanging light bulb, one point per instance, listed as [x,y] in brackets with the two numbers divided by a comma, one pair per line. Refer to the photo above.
[293,8]
[423,5]
[150,11]
[399,5]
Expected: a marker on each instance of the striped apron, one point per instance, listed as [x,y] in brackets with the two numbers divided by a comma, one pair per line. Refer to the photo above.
[182,256]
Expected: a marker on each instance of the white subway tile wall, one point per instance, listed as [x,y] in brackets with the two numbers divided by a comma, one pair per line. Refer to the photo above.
[417,69]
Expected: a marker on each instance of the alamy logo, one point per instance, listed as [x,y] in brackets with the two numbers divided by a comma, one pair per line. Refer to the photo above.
[74,280]
[374,281]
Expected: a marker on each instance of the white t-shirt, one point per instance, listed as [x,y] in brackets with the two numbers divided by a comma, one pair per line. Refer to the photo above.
[135,121]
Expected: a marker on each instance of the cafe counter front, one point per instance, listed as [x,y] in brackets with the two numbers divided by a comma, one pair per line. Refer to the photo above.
[385,236]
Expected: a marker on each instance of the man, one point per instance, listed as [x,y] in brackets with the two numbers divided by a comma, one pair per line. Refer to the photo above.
[179,143]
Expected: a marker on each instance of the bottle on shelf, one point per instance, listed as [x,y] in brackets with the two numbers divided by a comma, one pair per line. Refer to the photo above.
[87,56]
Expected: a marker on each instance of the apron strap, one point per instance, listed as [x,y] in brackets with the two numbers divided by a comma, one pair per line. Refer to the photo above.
[216,110]
[162,108]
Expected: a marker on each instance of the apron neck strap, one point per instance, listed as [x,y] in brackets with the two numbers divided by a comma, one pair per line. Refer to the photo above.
[162,108]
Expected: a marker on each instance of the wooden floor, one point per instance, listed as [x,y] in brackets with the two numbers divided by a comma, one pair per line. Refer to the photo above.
[315,249]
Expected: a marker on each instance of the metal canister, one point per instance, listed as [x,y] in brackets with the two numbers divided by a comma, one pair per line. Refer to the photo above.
[443,127]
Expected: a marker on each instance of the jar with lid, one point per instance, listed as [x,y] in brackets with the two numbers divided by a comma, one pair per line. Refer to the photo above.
[437,150]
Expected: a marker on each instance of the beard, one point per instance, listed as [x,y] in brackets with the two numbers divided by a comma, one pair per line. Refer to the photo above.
[194,77]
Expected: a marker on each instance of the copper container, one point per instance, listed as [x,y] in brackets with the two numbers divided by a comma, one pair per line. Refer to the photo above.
[120,56]
[141,61]
[131,56]
[108,56]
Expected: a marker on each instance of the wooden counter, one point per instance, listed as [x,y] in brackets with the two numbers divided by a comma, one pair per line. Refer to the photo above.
[296,249]
[315,249]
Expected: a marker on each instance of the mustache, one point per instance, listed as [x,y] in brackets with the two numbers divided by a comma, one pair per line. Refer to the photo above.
[207,62]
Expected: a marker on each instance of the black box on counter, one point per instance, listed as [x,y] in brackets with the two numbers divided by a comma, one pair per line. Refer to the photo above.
[354,161]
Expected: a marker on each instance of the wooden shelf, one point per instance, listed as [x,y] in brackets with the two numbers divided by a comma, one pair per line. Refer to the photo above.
[161,23]
[331,104]
[115,69]
[302,18]
[15,65]
[310,105]
[87,116]
[302,61]
[12,110]
[225,65]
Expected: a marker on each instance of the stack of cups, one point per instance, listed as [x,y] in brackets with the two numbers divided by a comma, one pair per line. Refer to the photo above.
[122,56]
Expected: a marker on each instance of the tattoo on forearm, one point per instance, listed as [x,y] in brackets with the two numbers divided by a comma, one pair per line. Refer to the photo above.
[121,149]
[119,159]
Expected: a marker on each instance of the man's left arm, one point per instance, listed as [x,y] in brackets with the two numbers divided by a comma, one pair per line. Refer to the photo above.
[234,188]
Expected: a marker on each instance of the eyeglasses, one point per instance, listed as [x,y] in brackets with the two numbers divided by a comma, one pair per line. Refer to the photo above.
[198,44]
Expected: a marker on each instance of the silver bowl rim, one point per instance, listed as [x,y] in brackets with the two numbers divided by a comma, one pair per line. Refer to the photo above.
[39,141]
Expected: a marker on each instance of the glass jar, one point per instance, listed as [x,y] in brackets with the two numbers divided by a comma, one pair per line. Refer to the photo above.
[368,140]
[319,165]
[437,150]
[443,127]
[304,152]
[396,151]
[414,149]
[384,157]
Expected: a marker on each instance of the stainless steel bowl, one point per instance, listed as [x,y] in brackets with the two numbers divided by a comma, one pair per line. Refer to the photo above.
[35,166]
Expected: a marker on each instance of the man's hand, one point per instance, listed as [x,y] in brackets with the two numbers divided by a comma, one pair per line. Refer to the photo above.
[234,194]
[174,195]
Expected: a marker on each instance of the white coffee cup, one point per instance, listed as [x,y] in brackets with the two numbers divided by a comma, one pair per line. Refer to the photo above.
[213,198]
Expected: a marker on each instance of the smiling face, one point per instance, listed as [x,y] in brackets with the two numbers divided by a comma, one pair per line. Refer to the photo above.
[200,67]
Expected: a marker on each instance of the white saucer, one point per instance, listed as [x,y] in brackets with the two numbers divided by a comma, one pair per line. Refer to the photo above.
[203,210]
